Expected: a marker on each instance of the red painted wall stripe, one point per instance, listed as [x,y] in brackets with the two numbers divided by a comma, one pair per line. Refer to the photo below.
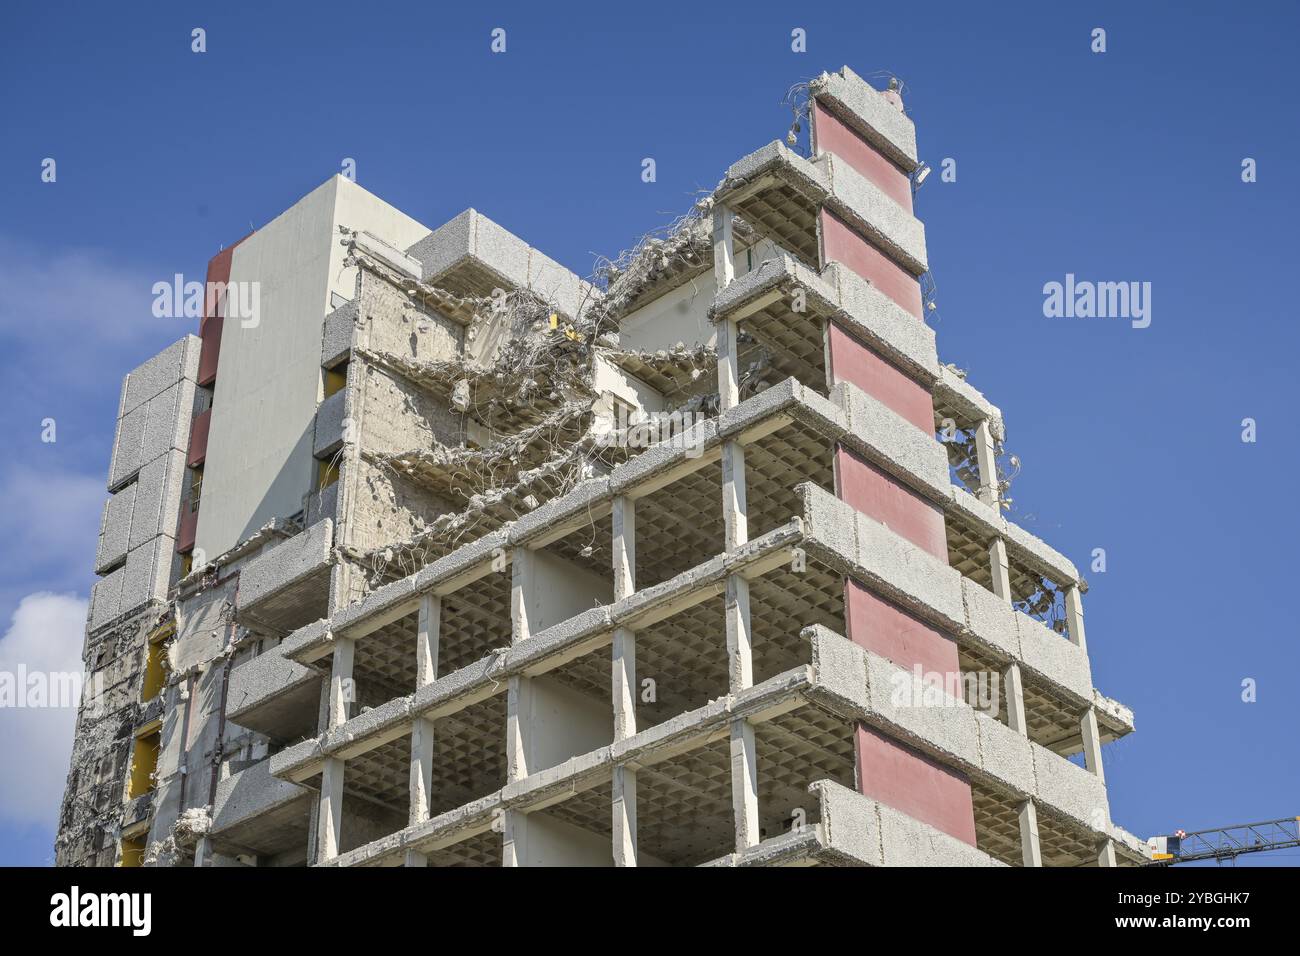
[880,496]
[854,361]
[199,438]
[833,136]
[888,770]
[887,630]
[908,780]
[842,243]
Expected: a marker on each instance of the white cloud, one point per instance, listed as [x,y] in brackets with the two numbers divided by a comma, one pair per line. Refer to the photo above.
[45,636]
[52,517]
[78,319]
[48,530]
[48,295]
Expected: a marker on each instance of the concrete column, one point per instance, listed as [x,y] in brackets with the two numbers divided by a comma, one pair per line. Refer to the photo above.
[1031,851]
[518,704]
[521,572]
[1106,855]
[728,364]
[427,641]
[1014,690]
[1074,617]
[329,819]
[735,497]
[329,823]
[740,651]
[421,781]
[724,271]
[623,806]
[744,755]
[518,698]
[1091,742]
[624,521]
[744,784]
[1000,568]
[724,246]
[421,769]
[514,836]
[341,688]
[623,683]
[624,803]
[986,461]
[1013,687]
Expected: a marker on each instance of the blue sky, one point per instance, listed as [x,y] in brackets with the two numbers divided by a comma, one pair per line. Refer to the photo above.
[1122,166]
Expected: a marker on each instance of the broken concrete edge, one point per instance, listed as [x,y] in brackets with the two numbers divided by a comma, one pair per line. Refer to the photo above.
[550,518]
[1113,715]
[837,186]
[864,108]
[851,832]
[797,846]
[1132,847]
[248,793]
[1025,548]
[328,432]
[472,238]
[285,564]
[263,678]
[337,336]
[920,469]
[371,245]
[278,529]
[840,295]
[953,389]
[859,828]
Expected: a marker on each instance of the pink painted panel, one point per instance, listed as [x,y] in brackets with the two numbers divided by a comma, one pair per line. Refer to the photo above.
[854,361]
[842,243]
[878,496]
[833,136]
[907,780]
[199,438]
[887,630]
[189,524]
[210,348]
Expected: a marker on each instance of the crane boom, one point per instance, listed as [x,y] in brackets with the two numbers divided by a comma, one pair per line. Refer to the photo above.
[1225,843]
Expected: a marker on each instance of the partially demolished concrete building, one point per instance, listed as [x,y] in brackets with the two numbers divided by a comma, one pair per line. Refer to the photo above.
[445,556]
